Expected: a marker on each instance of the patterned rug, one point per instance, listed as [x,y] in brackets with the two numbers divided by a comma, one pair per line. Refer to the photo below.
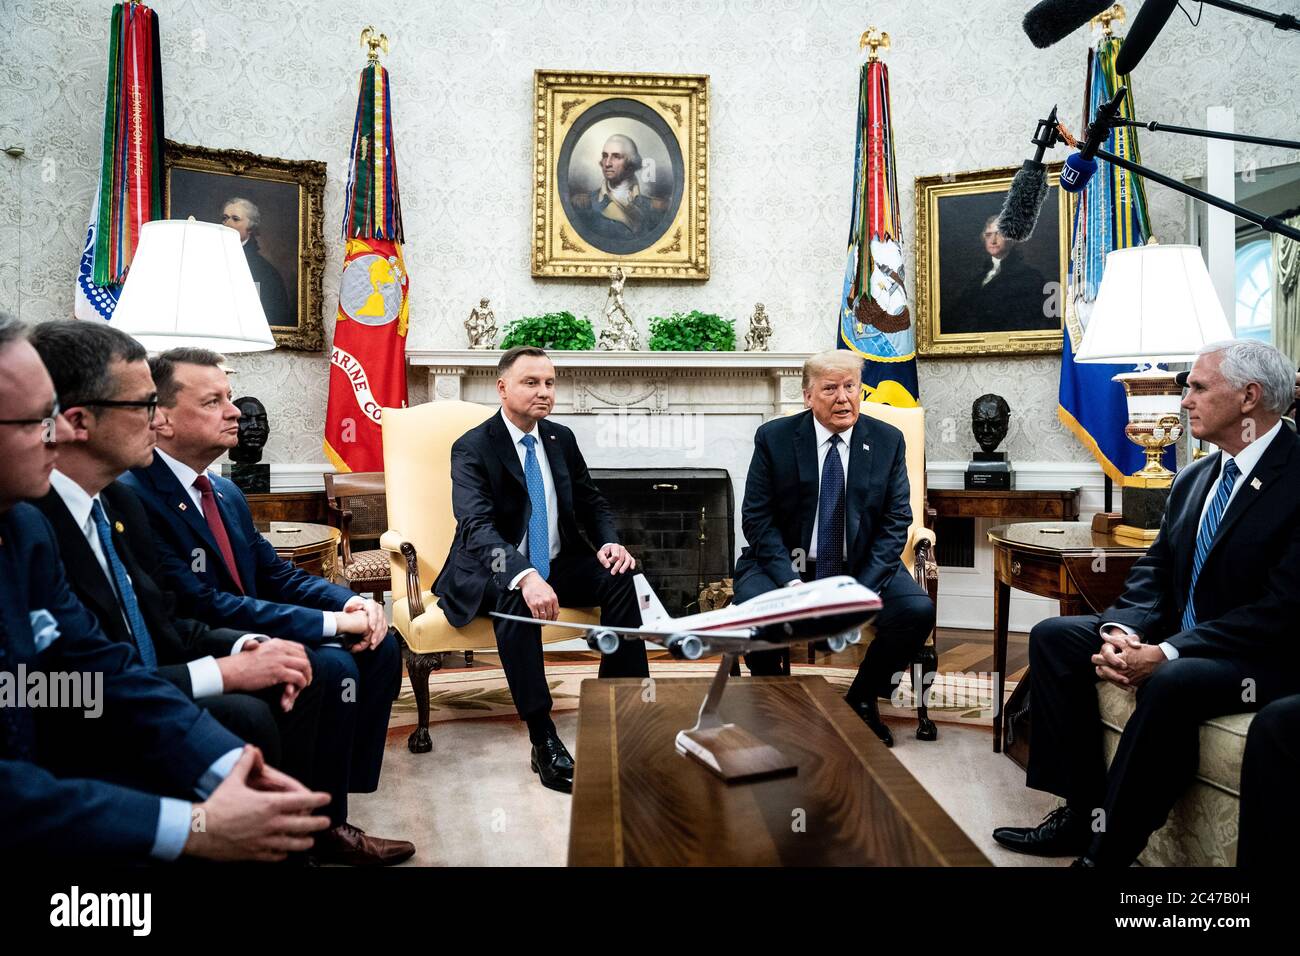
[481,691]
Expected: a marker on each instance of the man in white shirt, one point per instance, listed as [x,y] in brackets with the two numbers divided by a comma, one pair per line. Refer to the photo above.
[1206,625]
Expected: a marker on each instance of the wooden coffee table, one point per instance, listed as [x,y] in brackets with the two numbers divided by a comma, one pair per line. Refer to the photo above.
[637,802]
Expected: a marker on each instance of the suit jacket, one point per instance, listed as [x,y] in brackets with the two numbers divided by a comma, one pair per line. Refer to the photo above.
[148,737]
[492,508]
[176,640]
[781,496]
[1011,301]
[1248,591]
[279,599]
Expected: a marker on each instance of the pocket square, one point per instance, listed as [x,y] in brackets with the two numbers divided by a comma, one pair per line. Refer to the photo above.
[45,630]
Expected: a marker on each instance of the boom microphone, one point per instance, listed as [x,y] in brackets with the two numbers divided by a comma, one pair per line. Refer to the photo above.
[1028,189]
[1053,20]
[1080,166]
[1148,23]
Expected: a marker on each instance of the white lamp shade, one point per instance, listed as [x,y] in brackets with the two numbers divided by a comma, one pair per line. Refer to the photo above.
[189,285]
[1156,304]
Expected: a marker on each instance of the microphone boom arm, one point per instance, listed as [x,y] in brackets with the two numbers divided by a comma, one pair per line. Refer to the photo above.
[1209,133]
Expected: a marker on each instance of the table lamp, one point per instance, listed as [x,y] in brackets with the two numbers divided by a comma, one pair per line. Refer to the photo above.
[1156,304]
[189,285]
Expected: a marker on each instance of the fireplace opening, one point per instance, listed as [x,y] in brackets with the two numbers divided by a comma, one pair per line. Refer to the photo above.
[679,524]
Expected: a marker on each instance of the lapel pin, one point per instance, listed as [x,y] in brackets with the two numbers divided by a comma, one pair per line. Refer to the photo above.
[866,447]
[1255,483]
[118,527]
[221,496]
[181,506]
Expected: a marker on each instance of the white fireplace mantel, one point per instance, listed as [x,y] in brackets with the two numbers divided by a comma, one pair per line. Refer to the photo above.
[591,382]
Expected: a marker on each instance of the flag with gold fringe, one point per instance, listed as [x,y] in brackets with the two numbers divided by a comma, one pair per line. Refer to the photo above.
[874,320]
[1110,213]
[368,357]
[130,189]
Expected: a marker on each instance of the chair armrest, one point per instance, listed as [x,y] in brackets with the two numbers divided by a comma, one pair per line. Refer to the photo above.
[393,542]
[925,567]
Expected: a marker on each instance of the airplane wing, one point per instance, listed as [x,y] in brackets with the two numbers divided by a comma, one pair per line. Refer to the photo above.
[746,635]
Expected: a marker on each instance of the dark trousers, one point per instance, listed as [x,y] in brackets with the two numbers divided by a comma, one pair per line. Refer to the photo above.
[357,692]
[1269,831]
[579,581]
[287,740]
[902,626]
[1159,748]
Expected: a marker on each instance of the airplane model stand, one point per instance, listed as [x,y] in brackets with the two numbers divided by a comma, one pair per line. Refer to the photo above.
[731,752]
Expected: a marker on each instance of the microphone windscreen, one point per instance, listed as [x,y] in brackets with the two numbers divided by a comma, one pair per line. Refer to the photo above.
[1151,19]
[1024,201]
[1076,172]
[1053,20]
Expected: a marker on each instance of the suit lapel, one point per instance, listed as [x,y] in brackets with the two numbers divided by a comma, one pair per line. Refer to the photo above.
[1262,478]
[499,438]
[177,500]
[805,455]
[79,560]
[559,467]
[240,547]
[862,466]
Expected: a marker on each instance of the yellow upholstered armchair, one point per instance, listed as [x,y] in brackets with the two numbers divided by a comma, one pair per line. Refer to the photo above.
[417,473]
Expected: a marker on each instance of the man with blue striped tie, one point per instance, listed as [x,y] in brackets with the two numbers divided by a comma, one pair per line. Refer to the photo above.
[533,533]
[1207,624]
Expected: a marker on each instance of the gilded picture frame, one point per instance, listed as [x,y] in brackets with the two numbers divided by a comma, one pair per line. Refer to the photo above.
[977,293]
[278,207]
[620,175]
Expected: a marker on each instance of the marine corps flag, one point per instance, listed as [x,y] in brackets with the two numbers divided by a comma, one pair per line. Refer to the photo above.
[873,316]
[130,173]
[1110,213]
[368,359]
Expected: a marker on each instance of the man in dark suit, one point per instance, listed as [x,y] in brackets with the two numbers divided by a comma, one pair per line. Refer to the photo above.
[1268,834]
[534,533]
[259,688]
[111,775]
[827,494]
[226,574]
[1206,625]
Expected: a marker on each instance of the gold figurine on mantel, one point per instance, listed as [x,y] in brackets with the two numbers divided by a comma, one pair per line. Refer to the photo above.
[875,40]
[375,42]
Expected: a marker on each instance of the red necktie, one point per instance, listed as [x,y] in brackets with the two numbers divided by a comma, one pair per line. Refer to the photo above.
[217,527]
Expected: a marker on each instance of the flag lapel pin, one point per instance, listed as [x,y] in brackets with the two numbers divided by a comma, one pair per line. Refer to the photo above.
[181,506]
[866,447]
[1255,483]
[118,527]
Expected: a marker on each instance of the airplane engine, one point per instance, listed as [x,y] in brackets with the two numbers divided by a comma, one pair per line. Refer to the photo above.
[685,647]
[836,643]
[607,642]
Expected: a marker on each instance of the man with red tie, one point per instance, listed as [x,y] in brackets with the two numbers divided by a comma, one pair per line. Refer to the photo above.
[226,574]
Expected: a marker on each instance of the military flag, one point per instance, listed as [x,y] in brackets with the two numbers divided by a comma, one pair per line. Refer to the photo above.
[874,320]
[368,357]
[1110,213]
[130,187]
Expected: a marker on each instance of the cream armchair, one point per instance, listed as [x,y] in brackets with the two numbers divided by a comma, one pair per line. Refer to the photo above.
[417,470]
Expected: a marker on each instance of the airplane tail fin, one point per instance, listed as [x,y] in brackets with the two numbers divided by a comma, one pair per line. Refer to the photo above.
[652,612]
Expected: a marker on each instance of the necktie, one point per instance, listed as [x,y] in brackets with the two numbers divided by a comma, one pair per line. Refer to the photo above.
[125,592]
[830,514]
[1205,537]
[539,541]
[218,528]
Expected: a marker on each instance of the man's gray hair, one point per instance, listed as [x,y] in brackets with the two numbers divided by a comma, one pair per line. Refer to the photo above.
[251,212]
[832,360]
[629,150]
[10,329]
[1249,360]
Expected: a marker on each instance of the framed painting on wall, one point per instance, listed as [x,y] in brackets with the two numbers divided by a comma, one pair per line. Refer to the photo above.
[620,163]
[277,207]
[977,291]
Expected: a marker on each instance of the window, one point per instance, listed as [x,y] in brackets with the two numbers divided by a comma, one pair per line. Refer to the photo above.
[1255,290]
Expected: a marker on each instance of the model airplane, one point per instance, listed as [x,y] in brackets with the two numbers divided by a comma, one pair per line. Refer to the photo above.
[832,609]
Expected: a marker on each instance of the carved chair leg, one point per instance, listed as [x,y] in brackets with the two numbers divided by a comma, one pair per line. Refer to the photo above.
[469,658]
[924,672]
[418,667]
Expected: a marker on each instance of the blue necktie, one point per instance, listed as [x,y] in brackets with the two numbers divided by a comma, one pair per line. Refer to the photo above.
[125,593]
[539,539]
[830,514]
[1205,537]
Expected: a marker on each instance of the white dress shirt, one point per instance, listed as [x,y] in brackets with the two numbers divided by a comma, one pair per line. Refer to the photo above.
[205,675]
[992,273]
[1246,460]
[186,476]
[823,448]
[548,484]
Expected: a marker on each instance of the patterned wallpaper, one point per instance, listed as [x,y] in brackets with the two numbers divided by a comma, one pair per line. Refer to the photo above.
[278,77]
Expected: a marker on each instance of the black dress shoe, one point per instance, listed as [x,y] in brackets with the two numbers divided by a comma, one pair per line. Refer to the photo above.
[1063,832]
[870,714]
[1084,862]
[553,764]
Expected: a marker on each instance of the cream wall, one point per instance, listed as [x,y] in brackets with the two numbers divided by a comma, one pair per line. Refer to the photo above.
[278,77]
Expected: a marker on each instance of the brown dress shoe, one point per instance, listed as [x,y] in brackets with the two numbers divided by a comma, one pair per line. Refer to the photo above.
[350,846]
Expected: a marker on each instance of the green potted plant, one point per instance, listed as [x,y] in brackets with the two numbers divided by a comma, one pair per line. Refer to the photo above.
[692,331]
[558,331]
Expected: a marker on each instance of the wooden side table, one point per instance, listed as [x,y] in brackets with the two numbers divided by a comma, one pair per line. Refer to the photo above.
[312,547]
[1063,560]
[1043,505]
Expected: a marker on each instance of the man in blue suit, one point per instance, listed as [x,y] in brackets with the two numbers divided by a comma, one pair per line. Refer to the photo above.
[114,775]
[227,575]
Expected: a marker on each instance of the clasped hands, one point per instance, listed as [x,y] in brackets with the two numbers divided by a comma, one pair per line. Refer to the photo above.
[542,601]
[1124,660]
[363,617]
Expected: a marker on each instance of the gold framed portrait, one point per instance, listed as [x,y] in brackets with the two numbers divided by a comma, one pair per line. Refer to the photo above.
[978,292]
[620,174]
[277,206]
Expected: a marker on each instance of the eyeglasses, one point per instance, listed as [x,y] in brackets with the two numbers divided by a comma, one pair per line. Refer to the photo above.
[55,411]
[150,403]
